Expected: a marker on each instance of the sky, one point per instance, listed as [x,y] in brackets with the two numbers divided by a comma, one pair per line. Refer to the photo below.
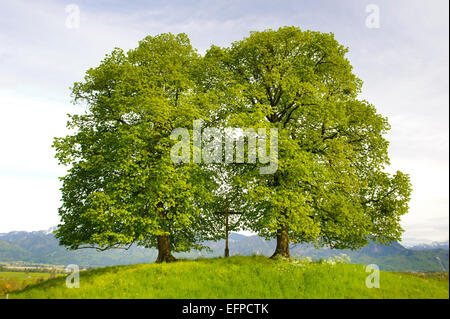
[399,49]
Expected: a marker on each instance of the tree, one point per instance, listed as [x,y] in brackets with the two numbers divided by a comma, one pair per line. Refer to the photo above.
[122,187]
[330,187]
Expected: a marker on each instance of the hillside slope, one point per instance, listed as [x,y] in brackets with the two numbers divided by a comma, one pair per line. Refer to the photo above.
[239,277]
[42,247]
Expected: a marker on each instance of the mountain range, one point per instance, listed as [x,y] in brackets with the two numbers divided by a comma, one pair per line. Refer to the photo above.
[432,245]
[42,247]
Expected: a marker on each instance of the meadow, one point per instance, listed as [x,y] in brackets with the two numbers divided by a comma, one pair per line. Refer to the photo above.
[241,277]
[17,280]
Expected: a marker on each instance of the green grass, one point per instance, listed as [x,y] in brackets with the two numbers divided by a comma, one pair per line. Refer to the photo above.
[240,277]
[24,276]
[16,280]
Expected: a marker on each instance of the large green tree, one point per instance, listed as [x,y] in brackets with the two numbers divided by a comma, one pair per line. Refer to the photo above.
[122,187]
[330,187]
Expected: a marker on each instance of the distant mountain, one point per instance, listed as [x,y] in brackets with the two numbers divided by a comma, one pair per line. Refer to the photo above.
[433,245]
[42,247]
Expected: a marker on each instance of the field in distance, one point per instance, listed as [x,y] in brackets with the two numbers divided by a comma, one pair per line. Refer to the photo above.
[240,277]
[16,280]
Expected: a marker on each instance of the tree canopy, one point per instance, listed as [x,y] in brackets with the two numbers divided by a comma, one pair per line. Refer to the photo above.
[122,187]
[329,187]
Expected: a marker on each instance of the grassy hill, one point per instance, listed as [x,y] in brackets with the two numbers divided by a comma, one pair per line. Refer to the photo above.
[15,280]
[43,248]
[240,277]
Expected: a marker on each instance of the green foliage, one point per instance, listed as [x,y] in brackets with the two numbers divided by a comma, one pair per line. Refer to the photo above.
[122,187]
[240,277]
[330,187]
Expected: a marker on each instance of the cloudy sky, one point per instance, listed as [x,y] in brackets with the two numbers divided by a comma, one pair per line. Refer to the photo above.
[44,48]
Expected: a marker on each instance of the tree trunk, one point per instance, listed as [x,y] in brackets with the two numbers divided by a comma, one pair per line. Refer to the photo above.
[164,254]
[282,242]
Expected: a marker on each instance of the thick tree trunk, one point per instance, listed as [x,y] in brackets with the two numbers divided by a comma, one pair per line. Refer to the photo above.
[282,243]
[164,254]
